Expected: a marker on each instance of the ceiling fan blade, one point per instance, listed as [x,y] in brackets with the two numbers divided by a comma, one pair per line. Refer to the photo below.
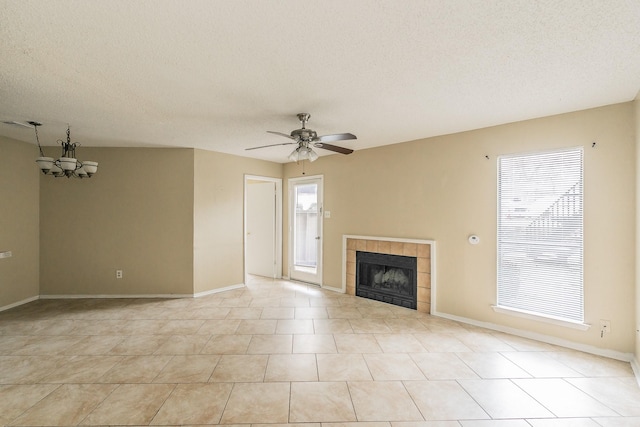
[335,137]
[335,148]
[283,134]
[270,145]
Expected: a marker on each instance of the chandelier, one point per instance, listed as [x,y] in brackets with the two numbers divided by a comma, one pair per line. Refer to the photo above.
[303,152]
[67,164]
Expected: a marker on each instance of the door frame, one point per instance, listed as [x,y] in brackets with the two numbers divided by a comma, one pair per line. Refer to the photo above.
[290,186]
[278,224]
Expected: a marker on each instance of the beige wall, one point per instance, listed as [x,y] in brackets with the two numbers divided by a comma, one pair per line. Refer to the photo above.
[19,215]
[218,249]
[135,214]
[444,189]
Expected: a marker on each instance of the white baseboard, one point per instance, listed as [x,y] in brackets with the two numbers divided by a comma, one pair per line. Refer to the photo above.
[612,354]
[116,296]
[636,369]
[18,303]
[218,290]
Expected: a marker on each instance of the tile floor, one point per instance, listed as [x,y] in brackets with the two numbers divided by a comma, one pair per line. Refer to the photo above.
[278,352]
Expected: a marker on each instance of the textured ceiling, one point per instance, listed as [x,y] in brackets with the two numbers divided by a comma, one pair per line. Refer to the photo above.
[217,74]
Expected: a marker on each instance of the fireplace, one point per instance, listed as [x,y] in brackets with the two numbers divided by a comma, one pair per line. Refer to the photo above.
[387,278]
[423,251]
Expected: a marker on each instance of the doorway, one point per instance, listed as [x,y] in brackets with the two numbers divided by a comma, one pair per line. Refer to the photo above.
[305,229]
[262,226]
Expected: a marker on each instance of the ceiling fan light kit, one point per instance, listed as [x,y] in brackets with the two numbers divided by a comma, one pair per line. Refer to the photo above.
[307,139]
[67,164]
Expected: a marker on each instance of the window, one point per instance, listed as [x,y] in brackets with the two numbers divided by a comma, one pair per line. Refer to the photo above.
[540,234]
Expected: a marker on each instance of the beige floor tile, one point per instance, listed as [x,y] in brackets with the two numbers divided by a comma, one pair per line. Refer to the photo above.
[219,327]
[257,403]
[188,369]
[483,341]
[343,313]
[620,394]
[227,344]
[68,405]
[383,401]
[279,375]
[399,343]
[563,399]
[619,422]
[142,327]
[257,327]
[16,399]
[265,301]
[295,326]
[139,345]
[441,342]
[29,369]
[393,366]
[98,327]
[321,402]
[48,345]
[357,343]
[343,367]
[311,343]
[207,313]
[240,368]
[406,326]
[591,365]
[82,369]
[376,312]
[245,313]
[492,365]
[311,313]
[270,344]
[572,422]
[332,326]
[444,400]
[291,367]
[94,345]
[369,326]
[194,404]
[130,404]
[12,343]
[183,344]
[503,399]
[135,369]
[278,312]
[425,424]
[540,365]
[443,366]
[294,302]
[181,327]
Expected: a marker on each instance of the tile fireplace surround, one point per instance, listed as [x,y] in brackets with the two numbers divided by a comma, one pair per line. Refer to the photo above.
[423,250]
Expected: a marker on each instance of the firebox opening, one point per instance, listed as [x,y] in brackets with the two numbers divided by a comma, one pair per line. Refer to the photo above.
[388,278]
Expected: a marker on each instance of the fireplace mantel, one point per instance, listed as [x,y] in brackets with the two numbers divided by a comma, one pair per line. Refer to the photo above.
[423,250]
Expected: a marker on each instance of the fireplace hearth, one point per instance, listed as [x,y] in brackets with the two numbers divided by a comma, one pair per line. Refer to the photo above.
[387,278]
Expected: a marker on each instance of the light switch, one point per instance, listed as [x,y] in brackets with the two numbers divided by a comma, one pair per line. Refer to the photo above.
[6,254]
[327,214]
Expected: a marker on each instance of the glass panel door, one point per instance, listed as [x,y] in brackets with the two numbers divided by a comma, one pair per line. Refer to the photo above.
[306,229]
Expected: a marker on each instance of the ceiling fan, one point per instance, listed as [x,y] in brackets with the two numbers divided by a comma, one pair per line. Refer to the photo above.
[307,139]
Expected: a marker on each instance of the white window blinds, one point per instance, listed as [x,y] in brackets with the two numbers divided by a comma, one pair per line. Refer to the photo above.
[540,234]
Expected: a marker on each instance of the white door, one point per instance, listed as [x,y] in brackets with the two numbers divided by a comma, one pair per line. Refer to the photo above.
[263,226]
[305,229]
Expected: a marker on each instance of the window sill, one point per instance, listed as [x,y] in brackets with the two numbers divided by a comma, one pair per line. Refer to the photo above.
[539,318]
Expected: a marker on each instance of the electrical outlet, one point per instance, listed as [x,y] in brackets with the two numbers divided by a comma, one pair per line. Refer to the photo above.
[6,254]
[118,274]
[605,326]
